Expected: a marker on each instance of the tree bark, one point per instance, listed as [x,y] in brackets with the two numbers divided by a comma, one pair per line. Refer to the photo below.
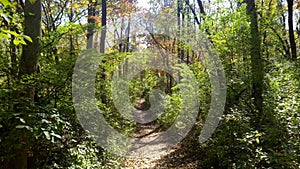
[257,67]
[102,43]
[201,7]
[28,65]
[32,28]
[291,29]
[71,18]
[91,23]
[179,8]
[103,31]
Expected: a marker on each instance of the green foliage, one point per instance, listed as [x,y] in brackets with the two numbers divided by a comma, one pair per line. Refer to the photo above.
[173,106]
[56,138]
[236,144]
[89,156]
[10,27]
[104,88]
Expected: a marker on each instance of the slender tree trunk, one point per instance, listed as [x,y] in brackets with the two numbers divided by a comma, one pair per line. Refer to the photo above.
[183,11]
[201,7]
[91,23]
[257,67]
[103,31]
[179,8]
[102,42]
[298,26]
[13,56]
[291,29]
[127,44]
[188,31]
[72,48]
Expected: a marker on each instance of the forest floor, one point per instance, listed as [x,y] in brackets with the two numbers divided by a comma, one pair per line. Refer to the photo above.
[175,157]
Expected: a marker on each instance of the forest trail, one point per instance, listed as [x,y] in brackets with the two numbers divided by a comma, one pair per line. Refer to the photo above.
[163,157]
[146,132]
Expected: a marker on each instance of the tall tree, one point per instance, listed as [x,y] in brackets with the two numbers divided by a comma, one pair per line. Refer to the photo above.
[257,67]
[32,28]
[201,7]
[103,21]
[71,19]
[102,41]
[291,29]
[28,65]
[91,23]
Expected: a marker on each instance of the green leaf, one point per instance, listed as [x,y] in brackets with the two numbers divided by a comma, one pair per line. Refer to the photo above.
[258,135]
[257,140]
[21,126]
[17,42]
[47,135]
[56,135]
[24,126]
[27,38]
[3,35]
[32,1]
[5,17]
[22,120]
[11,32]
[45,121]
[5,3]
[1,126]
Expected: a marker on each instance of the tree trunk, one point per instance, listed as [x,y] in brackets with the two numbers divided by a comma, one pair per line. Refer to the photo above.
[31,51]
[127,44]
[291,29]
[256,62]
[91,23]
[71,18]
[103,31]
[102,43]
[179,8]
[201,7]
[28,65]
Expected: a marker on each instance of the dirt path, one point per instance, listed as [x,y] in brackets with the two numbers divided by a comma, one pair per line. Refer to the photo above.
[164,156]
[146,133]
[175,157]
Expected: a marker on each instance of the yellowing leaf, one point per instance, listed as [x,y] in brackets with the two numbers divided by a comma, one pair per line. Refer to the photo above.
[17,42]
[32,1]
[11,32]
[5,36]
[257,140]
